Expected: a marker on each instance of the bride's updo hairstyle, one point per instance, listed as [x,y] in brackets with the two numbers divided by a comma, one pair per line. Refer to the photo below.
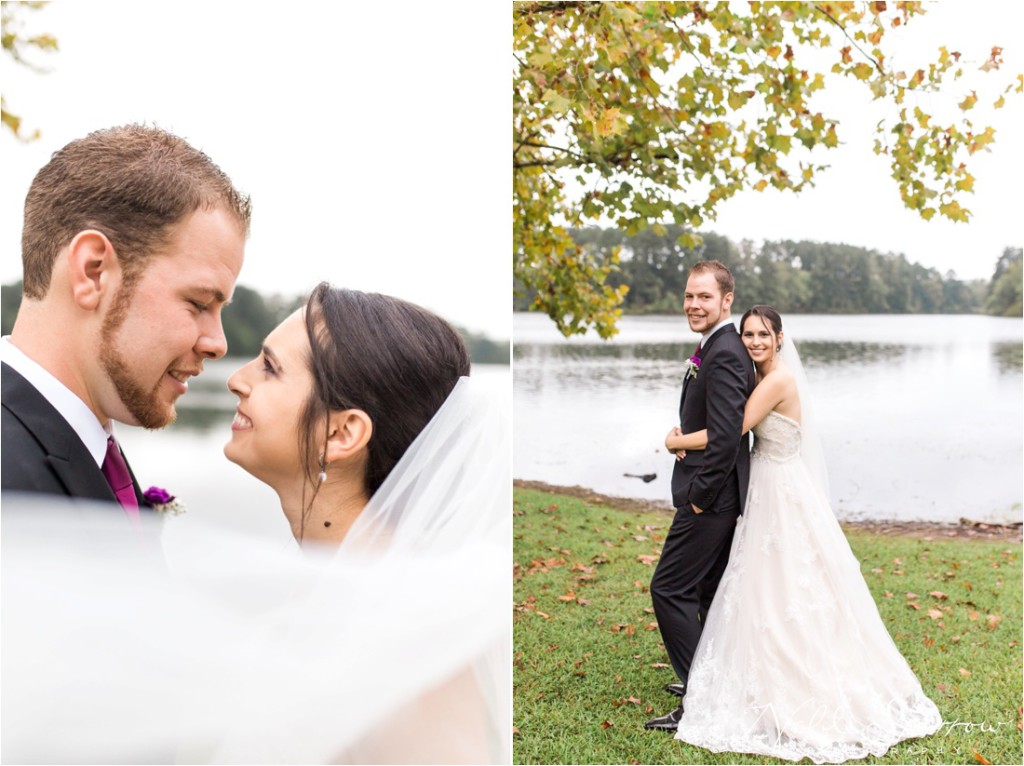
[394,360]
[768,315]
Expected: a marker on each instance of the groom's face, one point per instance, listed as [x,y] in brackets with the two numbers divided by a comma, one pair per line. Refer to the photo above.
[157,334]
[704,304]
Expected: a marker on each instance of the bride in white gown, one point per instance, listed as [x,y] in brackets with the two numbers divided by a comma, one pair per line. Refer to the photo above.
[794,661]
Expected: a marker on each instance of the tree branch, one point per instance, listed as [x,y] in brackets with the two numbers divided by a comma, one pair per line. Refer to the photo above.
[833,19]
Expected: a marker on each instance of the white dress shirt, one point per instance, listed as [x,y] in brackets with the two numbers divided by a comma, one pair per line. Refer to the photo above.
[713,330]
[81,419]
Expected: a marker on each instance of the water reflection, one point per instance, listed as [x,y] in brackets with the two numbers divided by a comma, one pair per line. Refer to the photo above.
[887,391]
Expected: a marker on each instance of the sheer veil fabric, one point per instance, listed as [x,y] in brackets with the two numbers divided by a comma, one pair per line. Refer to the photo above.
[196,643]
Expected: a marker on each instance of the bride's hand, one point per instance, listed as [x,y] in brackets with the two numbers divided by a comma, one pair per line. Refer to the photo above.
[680,454]
[674,432]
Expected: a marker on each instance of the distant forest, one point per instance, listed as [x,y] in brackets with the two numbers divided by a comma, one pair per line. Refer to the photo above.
[251,316]
[797,277]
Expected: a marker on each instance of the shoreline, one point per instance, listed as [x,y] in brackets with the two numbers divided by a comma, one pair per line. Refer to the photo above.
[966,529]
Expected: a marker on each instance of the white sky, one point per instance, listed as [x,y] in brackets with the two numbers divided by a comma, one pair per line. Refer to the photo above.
[857,202]
[373,140]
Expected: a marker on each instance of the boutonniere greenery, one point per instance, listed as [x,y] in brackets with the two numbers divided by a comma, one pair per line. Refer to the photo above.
[692,367]
[162,501]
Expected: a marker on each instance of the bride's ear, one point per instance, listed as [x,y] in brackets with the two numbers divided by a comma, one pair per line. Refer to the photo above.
[778,340]
[348,432]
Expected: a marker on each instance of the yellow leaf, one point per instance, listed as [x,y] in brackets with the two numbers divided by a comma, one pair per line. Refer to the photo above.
[862,71]
[969,102]
[966,183]
[760,185]
[611,122]
[999,102]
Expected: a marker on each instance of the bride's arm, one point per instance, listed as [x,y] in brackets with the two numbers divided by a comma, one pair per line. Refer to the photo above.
[766,396]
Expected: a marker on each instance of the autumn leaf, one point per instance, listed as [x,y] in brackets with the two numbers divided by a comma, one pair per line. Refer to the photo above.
[993,621]
[659,665]
[964,672]
[914,605]
[937,594]
[935,614]
[912,596]
[969,101]
[972,615]
[980,758]
[646,560]
[606,724]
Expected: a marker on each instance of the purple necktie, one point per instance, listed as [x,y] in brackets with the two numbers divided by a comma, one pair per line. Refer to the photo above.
[115,470]
[699,344]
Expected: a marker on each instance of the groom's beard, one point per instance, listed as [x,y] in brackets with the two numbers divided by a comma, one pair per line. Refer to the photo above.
[143,404]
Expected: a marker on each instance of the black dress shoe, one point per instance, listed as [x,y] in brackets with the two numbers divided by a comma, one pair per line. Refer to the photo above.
[667,722]
[677,689]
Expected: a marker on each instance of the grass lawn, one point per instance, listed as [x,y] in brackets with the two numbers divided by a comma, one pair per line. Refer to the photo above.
[589,666]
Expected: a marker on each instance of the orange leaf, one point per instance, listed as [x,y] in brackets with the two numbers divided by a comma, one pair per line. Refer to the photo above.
[646,560]
[912,596]
[570,596]
[980,758]
[660,665]
[937,594]
[964,672]
[993,621]
[914,605]
[606,724]
[935,614]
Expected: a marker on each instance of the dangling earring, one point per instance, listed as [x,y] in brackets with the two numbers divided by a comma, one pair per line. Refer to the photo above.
[323,470]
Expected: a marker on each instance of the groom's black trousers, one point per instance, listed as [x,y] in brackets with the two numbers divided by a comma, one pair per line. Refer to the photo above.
[686,578]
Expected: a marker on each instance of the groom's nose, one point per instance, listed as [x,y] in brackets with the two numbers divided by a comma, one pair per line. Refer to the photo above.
[211,343]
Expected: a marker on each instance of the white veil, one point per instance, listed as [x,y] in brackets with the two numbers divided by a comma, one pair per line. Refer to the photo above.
[224,648]
[811,451]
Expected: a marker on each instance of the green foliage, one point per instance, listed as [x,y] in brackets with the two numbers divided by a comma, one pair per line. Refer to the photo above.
[1004,296]
[795,277]
[10,302]
[16,45]
[588,667]
[659,111]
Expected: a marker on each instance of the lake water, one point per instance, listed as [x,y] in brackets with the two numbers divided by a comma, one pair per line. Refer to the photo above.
[187,458]
[921,416]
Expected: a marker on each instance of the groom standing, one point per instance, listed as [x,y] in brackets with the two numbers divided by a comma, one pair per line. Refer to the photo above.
[709,487]
[131,246]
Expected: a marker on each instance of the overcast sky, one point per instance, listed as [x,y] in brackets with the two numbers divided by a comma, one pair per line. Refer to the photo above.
[375,142]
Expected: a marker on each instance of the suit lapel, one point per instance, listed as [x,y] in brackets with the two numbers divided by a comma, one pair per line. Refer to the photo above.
[67,455]
[703,352]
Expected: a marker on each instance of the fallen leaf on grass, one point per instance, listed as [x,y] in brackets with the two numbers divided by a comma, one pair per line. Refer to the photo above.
[912,596]
[928,641]
[964,672]
[935,614]
[648,610]
[640,538]
[972,615]
[660,665]
[599,559]
[888,594]
[515,730]
[914,605]
[980,758]
[937,594]
[646,560]
[577,567]
[652,626]
[606,724]
[570,596]
[993,621]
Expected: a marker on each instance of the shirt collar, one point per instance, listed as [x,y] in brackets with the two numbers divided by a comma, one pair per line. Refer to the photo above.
[713,330]
[78,415]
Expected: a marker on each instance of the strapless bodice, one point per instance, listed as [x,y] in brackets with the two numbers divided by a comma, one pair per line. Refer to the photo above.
[776,438]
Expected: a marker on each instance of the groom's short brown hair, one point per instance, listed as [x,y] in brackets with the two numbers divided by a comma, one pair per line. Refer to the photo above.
[720,271]
[132,183]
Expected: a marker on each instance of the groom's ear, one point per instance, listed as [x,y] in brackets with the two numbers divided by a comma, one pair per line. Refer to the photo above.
[92,265]
[348,433]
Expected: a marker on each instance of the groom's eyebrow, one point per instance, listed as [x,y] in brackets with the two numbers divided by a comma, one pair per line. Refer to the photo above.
[215,294]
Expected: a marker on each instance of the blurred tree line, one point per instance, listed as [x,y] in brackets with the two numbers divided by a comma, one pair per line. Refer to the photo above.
[251,316]
[795,277]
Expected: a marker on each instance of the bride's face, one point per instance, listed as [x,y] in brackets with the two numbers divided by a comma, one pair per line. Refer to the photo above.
[272,391]
[759,339]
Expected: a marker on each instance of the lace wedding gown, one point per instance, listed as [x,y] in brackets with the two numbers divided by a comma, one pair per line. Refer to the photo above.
[795,661]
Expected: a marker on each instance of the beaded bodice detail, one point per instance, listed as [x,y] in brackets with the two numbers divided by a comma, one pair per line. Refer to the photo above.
[777,438]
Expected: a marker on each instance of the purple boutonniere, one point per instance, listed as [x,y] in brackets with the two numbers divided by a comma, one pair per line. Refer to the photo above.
[162,501]
[692,367]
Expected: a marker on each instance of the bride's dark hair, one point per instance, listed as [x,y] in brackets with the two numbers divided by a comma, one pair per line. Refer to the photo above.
[394,360]
[767,314]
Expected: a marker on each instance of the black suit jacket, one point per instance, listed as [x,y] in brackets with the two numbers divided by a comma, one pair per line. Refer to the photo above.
[41,451]
[716,478]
